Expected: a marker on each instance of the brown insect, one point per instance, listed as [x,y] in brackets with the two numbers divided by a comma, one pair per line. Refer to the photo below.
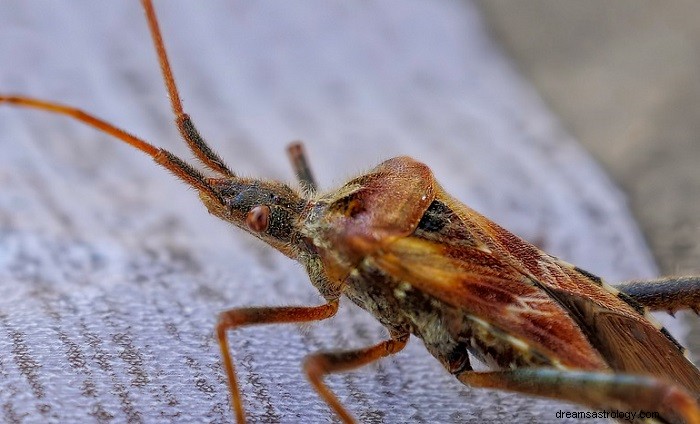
[395,243]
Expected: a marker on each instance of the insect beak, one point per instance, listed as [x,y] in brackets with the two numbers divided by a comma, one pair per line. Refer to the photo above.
[216,204]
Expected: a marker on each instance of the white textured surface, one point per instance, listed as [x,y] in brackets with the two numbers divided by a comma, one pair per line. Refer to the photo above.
[111,273]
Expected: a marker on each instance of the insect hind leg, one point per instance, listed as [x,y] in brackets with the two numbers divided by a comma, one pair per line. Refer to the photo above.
[597,390]
[668,294]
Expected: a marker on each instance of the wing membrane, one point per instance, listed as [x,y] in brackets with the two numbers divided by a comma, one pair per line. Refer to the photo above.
[471,263]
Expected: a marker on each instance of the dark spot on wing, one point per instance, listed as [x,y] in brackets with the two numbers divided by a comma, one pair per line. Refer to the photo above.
[435,217]
[441,224]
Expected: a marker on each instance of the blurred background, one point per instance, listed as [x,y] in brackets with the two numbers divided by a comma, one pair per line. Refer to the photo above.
[623,77]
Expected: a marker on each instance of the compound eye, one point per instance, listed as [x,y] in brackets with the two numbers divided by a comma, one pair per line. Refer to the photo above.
[258,218]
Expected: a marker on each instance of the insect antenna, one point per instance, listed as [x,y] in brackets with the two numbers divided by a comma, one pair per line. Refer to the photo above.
[184,124]
[174,164]
[189,133]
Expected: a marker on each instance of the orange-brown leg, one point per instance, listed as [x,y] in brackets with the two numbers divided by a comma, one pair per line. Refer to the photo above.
[184,124]
[264,315]
[320,364]
[620,392]
[297,156]
[668,294]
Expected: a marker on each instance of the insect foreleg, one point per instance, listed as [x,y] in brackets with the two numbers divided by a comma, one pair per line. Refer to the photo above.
[597,390]
[320,364]
[235,318]
[297,156]
[665,294]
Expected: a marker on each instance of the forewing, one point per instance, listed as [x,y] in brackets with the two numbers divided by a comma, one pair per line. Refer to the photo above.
[628,343]
[614,324]
[487,288]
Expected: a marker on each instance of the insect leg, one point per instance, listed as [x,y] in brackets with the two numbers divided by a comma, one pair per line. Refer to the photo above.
[320,364]
[235,318]
[665,294]
[593,389]
[184,124]
[297,156]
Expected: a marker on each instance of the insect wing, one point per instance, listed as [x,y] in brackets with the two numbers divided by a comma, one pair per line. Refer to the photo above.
[628,343]
[617,328]
[469,262]
[482,286]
